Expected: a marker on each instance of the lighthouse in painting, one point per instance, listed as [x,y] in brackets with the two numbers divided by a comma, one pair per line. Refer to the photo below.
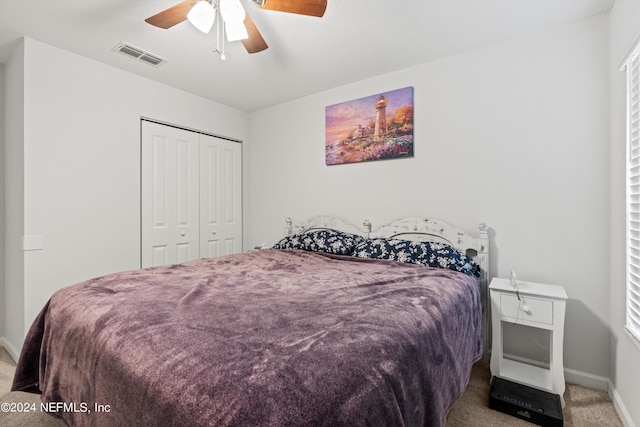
[381,118]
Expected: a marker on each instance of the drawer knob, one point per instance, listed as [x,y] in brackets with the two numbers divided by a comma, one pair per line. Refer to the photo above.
[526,309]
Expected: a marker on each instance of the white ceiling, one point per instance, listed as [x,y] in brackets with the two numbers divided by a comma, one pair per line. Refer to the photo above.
[355,39]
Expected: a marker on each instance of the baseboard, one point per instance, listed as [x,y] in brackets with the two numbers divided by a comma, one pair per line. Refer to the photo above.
[570,375]
[11,349]
[587,380]
[620,408]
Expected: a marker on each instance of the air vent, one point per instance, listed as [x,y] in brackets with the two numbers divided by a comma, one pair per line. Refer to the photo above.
[139,54]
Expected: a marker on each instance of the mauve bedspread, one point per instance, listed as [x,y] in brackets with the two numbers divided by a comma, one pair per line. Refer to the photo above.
[265,338]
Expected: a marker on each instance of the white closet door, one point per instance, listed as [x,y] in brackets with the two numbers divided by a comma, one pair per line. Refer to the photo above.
[220,197]
[170,205]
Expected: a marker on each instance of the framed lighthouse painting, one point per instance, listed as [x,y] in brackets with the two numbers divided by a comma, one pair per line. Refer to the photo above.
[375,127]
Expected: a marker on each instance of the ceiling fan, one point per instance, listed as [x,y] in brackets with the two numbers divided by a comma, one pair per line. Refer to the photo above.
[237,23]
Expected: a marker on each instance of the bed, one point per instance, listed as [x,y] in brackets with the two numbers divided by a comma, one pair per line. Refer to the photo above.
[335,325]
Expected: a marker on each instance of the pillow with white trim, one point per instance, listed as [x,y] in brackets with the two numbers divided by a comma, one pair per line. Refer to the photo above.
[326,241]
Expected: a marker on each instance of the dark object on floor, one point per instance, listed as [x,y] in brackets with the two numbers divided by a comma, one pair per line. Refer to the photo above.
[527,403]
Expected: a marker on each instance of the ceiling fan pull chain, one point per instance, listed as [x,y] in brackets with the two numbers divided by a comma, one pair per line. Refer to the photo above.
[222,37]
[219,35]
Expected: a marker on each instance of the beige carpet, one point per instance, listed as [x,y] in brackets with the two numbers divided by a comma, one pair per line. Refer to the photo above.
[585,407]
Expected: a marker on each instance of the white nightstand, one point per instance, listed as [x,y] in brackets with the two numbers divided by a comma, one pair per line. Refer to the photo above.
[538,306]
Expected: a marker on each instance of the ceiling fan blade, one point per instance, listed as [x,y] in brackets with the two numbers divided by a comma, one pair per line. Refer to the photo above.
[300,7]
[172,16]
[255,43]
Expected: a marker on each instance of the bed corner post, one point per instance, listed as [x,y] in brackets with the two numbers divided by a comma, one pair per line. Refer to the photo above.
[288,228]
[367,228]
[483,261]
[483,250]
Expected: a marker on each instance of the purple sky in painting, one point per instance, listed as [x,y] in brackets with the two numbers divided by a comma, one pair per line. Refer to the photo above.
[341,119]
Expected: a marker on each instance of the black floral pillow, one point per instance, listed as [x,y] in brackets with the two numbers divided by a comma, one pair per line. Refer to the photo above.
[425,253]
[327,241]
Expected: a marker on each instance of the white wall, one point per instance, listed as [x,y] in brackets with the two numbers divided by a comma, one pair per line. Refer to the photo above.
[14,200]
[624,23]
[82,166]
[514,134]
[2,198]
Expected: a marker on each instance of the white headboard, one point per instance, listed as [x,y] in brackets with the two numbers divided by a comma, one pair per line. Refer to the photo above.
[431,230]
[414,229]
[324,222]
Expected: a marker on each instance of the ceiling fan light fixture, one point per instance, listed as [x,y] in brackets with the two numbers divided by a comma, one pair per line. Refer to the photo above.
[235,31]
[233,15]
[202,15]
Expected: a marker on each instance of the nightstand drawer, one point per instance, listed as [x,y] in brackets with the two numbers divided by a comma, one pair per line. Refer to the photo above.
[527,308]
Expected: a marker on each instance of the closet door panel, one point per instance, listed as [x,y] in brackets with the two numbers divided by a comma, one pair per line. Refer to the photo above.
[210,198]
[220,203]
[233,197]
[170,205]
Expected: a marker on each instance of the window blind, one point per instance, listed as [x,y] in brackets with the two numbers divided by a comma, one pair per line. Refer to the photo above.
[633,193]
